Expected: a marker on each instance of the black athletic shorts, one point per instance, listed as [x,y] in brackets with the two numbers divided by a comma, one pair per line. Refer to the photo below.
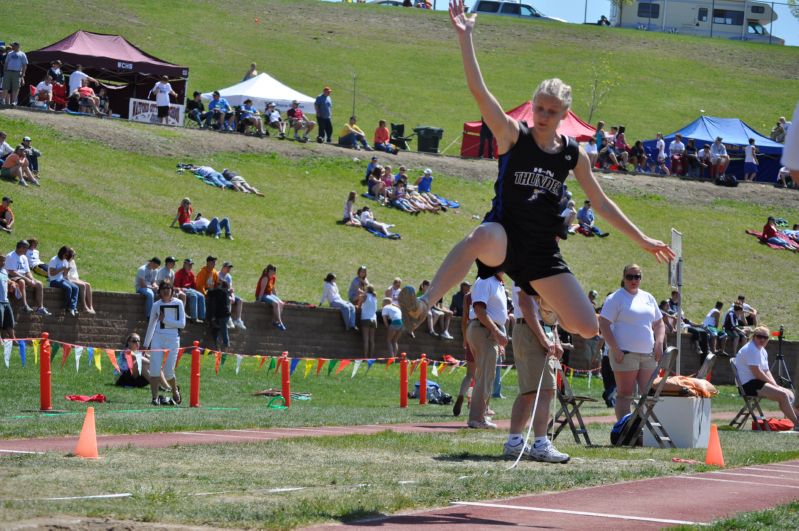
[753,386]
[163,112]
[6,316]
[528,257]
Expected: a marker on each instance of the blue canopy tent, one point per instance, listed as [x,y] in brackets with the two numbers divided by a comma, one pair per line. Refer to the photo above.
[735,135]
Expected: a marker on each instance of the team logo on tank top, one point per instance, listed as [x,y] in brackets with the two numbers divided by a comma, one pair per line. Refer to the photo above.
[542,180]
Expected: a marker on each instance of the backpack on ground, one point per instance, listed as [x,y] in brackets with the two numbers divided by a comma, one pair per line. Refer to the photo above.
[434,394]
[615,432]
[727,180]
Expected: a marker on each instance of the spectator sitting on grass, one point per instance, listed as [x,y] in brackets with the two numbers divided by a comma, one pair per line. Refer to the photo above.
[6,312]
[220,111]
[17,167]
[33,155]
[103,102]
[129,375]
[370,168]
[195,110]
[19,272]
[793,234]
[184,213]
[6,215]
[239,183]
[772,235]
[34,262]
[236,304]
[265,292]
[185,283]
[145,282]
[382,140]
[585,217]
[638,156]
[375,185]
[5,148]
[398,197]
[349,217]
[85,293]
[250,116]
[592,152]
[569,214]
[756,378]
[784,179]
[274,121]
[331,294]
[352,135]
[368,221]
[208,276]
[298,121]
[87,97]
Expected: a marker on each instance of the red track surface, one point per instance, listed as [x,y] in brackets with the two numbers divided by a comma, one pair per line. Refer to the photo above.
[644,504]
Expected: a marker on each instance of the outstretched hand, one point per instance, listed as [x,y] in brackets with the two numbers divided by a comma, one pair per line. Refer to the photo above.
[457,15]
[658,249]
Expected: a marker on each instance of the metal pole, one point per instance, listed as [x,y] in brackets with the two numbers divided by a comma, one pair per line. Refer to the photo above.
[663,17]
[354,76]
[585,11]
[744,22]
[712,15]
[771,24]
[679,314]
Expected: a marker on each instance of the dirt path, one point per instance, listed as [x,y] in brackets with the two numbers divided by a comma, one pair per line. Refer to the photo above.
[186,143]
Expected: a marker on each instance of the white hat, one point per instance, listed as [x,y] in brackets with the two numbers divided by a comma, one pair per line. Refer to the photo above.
[428,171]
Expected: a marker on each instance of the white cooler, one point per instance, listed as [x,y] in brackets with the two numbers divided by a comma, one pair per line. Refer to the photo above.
[686,419]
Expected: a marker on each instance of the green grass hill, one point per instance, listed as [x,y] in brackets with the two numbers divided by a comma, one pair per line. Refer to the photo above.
[110,187]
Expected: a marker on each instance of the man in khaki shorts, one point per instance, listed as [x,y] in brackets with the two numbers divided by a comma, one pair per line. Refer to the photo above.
[536,349]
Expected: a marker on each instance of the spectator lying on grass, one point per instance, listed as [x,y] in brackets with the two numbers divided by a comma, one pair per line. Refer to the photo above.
[239,183]
[210,227]
[368,221]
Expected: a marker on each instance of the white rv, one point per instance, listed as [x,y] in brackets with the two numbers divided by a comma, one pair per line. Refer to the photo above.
[729,19]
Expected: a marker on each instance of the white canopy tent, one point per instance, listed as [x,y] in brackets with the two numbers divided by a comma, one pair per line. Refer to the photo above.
[262,89]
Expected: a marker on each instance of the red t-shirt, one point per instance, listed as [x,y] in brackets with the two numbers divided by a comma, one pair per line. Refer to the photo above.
[184,214]
[86,92]
[295,113]
[184,279]
[769,232]
[382,135]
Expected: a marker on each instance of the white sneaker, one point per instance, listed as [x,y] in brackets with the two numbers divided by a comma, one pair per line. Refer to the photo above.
[230,324]
[512,451]
[481,425]
[547,453]
[239,324]
[446,335]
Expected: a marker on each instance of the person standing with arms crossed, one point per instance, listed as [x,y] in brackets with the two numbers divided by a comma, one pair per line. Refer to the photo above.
[518,235]
[324,115]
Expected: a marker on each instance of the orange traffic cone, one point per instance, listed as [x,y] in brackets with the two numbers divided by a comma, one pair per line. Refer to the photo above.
[714,456]
[87,442]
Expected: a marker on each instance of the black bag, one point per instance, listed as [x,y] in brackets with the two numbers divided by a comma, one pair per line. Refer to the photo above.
[434,394]
[727,180]
[615,432]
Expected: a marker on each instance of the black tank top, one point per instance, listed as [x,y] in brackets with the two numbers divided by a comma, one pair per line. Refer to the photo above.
[529,186]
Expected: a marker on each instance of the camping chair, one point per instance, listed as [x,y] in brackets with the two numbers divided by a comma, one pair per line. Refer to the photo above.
[569,411]
[398,137]
[706,368]
[751,405]
[644,413]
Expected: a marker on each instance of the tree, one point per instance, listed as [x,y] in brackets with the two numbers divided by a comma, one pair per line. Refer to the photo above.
[793,5]
[603,80]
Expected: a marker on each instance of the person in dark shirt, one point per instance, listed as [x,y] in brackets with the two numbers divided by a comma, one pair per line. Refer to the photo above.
[195,109]
[456,305]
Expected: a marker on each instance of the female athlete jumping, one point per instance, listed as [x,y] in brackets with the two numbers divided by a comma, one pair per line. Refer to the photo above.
[518,235]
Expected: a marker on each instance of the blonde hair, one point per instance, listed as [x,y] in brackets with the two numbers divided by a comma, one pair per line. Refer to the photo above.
[762,330]
[557,89]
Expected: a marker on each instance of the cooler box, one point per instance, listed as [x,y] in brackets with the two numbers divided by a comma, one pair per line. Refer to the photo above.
[686,419]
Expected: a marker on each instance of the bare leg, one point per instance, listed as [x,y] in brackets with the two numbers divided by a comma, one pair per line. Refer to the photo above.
[783,397]
[565,295]
[625,385]
[237,308]
[21,286]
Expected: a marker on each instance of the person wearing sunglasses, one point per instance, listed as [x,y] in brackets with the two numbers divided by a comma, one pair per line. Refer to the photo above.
[129,375]
[633,328]
[756,379]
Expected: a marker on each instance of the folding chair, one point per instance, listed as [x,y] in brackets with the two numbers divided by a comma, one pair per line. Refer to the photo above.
[751,405]
[644,413]
[398,137]
[707,367]
[569,411]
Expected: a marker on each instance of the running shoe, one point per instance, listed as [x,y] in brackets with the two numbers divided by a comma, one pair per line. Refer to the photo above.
[482,425]
[546,453]
[414,310]
[512,451]
[446,335]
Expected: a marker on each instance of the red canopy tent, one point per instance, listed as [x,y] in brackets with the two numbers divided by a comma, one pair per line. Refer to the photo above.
[571,126]
[121,66]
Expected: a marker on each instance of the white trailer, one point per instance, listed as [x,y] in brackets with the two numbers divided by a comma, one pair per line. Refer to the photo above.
[729,19]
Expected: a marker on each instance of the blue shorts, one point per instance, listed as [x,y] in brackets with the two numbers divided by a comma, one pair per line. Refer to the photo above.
[750,167]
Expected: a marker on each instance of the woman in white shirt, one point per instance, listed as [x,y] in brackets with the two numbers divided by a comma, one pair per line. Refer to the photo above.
[633,328]
[86,292]
[369,321]
[755,376]
[331,295]
[392,318]
[167,318]
[57,271]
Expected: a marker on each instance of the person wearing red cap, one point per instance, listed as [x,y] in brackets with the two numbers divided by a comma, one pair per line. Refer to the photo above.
[324,114]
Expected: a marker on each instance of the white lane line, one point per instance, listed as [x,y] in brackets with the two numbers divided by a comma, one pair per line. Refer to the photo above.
[739,481]
[284,489]
[68,498]
[225,436]
[777,470]
[579,513]
[19,452]
[753,476]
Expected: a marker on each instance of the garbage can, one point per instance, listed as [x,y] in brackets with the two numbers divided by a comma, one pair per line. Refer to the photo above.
[428,138]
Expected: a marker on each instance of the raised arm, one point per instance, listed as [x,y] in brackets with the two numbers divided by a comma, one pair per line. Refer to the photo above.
[504,128]
[611,212]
